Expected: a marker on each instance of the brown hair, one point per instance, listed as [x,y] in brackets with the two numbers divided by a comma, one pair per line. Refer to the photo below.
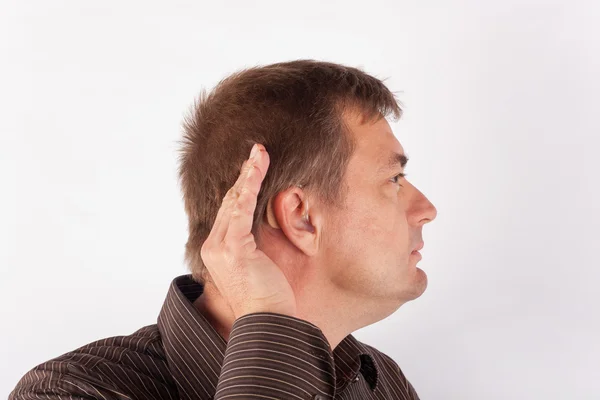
[295,110]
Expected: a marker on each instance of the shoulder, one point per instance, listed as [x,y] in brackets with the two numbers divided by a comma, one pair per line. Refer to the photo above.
[118,367]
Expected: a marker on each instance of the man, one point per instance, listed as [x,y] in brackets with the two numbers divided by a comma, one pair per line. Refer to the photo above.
[290,251]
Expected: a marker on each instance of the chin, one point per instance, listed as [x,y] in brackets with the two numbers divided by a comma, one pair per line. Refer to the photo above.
[422,280]
[419,284]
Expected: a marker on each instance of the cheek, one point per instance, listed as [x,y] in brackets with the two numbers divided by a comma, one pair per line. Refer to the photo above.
[386,233]
[384,220]
[376,227]
[371,225]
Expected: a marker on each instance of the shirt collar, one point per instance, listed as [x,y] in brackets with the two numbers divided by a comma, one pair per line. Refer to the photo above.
[194,349]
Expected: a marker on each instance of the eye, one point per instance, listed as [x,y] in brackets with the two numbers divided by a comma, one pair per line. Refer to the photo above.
[398,177]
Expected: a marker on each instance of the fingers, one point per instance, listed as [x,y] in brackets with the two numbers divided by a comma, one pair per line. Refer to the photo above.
[237,196]
[219,228]
[242,213]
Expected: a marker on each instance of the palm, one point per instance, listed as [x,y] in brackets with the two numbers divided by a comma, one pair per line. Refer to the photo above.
[270,288]
[244,275]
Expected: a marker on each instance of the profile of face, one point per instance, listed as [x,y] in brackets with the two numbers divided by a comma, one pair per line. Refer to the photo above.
[369,244]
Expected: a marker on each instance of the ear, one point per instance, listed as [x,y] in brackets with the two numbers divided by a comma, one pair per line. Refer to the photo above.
[291,212]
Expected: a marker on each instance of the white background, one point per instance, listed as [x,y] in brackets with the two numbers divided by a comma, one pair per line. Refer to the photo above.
[501,126]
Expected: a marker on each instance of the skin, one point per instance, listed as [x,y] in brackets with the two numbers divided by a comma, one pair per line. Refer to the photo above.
[340,269]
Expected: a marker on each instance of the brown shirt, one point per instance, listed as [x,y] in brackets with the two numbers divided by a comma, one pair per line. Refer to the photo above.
[268,356]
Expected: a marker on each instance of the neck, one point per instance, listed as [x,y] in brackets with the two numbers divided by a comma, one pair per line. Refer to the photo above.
[335,322]
[215,310]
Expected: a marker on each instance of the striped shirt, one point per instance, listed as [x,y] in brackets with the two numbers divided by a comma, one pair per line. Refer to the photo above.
[182,356]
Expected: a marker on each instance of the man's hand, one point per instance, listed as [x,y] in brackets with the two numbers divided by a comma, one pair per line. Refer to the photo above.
[246,278]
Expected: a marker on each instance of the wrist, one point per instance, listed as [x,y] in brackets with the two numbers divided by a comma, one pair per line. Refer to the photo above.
[266,309]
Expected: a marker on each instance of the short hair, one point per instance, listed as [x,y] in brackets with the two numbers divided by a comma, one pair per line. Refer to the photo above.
[295,109]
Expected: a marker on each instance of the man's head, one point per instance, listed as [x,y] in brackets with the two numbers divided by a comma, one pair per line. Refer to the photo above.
[329,209]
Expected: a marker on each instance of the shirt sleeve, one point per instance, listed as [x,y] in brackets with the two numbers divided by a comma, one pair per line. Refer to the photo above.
[55,380]
[272,355]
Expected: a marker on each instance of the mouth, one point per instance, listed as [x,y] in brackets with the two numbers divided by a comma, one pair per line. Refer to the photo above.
[416,253]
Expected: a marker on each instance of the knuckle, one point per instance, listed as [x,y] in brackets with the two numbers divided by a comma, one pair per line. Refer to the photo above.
[231,192]
[249,243]
[205,251]
[241,210]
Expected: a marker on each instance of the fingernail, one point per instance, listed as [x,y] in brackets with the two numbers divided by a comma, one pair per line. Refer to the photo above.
[254,151]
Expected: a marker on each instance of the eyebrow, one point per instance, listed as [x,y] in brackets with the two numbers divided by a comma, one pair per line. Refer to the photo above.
[393,160]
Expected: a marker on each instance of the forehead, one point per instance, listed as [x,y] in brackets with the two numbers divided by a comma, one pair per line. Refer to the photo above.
[375,142]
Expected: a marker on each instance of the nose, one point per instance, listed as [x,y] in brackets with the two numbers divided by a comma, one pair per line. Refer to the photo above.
[431,211]
[423,210]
